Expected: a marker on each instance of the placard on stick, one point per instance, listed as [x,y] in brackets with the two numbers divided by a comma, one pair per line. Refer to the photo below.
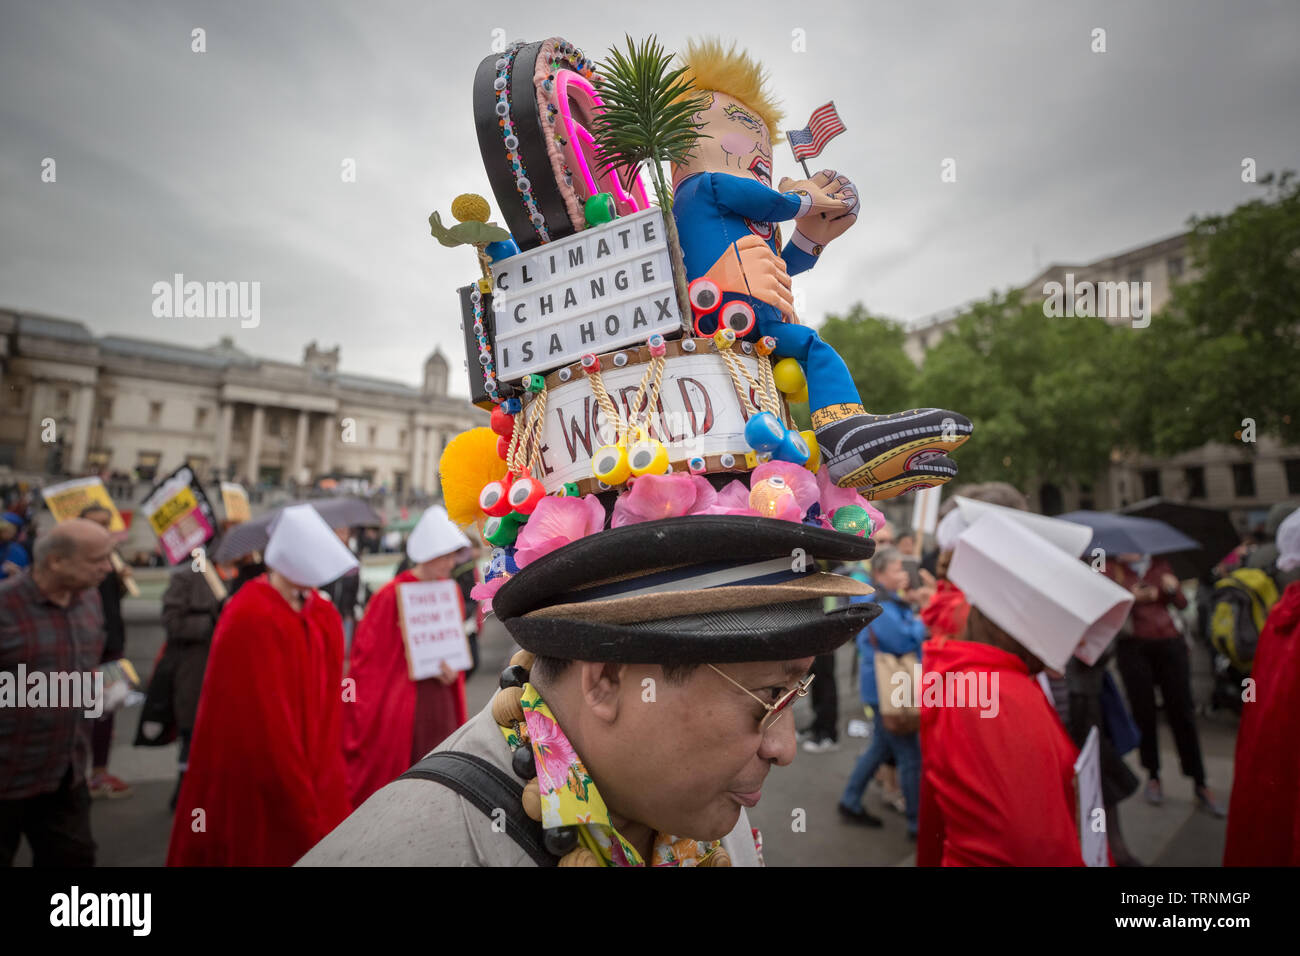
[432,616]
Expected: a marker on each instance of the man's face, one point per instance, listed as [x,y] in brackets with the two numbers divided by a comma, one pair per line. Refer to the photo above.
[684,758]
[907,544]
[734,140]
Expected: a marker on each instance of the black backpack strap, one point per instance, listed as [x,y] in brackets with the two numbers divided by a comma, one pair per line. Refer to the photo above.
[489,788]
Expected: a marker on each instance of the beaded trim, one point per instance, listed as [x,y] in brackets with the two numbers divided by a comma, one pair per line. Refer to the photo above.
[490,384]
[522,184]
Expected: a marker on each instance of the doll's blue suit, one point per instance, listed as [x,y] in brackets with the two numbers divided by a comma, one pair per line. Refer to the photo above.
[714,210]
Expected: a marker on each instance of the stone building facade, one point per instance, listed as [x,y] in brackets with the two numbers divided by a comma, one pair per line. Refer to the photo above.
[79,404]
[1245,479]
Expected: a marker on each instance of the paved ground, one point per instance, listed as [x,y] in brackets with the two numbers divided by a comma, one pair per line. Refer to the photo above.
[134,831]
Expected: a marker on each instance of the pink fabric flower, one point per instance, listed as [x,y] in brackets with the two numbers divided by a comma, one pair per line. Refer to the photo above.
[653,497]
[731,500]
[557,521]
[486,590]
[554,754]
[831,496]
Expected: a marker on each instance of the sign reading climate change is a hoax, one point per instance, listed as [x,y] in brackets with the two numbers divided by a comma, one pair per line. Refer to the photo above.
[598,290]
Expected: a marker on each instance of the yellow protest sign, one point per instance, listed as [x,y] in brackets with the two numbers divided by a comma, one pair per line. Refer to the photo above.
[69,498]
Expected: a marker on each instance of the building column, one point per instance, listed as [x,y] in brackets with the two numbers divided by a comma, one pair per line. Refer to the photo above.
[225,428]
[417,446]
[255,444]
[300,448]
[326,464]
[36,451]
[434,443]
[84,412]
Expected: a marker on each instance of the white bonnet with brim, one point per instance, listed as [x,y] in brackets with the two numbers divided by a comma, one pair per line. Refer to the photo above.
[435,535]
[304,549]
[1028,585]
[1288,543]
[1069,537]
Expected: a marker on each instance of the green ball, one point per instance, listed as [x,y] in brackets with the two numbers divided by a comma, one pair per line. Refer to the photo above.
[852,519]
[570,489]
[600,209]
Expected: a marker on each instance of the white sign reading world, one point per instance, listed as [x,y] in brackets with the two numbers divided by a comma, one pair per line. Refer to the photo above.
[592,292]
[697,413]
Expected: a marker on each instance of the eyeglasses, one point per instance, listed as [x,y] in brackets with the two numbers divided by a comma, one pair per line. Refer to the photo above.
[774,710]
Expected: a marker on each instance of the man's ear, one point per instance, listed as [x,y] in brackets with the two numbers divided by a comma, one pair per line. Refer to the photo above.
[600,684]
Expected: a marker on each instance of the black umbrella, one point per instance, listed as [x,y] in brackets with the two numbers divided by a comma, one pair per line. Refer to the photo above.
[253,535]
[1211,528]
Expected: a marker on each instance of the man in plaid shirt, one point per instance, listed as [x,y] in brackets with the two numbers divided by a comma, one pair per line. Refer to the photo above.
[51,621]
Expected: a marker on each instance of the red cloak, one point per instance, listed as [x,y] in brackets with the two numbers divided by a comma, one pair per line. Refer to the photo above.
[394,721]
[995,791]
[265,764]
[945,615]
[1264,812]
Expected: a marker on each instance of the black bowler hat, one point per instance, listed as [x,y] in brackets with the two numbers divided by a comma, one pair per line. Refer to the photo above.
[696,589]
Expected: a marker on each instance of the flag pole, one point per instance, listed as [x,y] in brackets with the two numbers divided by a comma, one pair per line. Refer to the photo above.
[804,164]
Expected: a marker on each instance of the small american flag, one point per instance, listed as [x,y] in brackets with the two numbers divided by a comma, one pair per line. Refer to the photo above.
[823,126]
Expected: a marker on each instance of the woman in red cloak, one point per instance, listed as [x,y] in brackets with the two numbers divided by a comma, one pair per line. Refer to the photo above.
[266,780]
[394,721]
[1264,812]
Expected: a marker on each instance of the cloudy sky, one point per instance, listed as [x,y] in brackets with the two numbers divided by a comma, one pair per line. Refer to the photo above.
[226,165]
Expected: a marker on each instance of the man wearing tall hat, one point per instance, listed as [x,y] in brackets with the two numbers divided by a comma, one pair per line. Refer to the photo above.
[266,777]
[997,766]
[394,720]
[645,712]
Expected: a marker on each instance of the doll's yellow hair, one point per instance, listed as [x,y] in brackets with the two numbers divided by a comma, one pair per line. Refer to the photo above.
[735,73]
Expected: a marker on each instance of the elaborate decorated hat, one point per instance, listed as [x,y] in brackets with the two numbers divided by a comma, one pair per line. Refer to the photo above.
[644,481]
[713,588]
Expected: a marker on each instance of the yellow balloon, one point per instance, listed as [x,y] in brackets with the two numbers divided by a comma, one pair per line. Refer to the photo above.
[789,376]
[799,396]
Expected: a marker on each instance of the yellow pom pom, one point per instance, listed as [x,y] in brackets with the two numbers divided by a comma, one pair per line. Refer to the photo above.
[788,375]
[470,207]
[468,463]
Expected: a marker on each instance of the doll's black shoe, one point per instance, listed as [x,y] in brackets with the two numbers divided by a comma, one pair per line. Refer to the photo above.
[862,450]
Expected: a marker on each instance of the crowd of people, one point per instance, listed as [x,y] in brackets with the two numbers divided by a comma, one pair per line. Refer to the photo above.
[922,613]
[293,701]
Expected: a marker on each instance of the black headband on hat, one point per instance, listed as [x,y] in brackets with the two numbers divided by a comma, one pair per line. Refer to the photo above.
[697,589]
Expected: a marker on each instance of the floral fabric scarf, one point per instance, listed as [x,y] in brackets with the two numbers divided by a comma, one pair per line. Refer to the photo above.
[569,796]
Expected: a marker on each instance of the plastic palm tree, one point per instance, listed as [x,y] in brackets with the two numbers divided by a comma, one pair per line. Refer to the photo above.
[648,120]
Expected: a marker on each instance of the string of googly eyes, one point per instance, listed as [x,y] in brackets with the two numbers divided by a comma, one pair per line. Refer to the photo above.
[509,501]
[613,464]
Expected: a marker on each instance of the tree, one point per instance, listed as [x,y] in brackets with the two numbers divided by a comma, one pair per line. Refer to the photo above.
[1041,391]
[872,348]
[1227,345]
[648,120]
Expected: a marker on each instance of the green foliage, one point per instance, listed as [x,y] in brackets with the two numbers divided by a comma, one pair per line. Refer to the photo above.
[465,233]
[1041,391]
[1227,346]
[648,116]
[872,348]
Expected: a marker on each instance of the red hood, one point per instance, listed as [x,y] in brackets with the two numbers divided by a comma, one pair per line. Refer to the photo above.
[946,654]
[1285,614]
[945,615]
